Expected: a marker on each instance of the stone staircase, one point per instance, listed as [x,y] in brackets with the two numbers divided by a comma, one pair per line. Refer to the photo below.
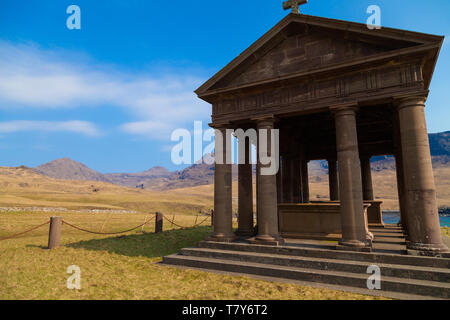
[402,276]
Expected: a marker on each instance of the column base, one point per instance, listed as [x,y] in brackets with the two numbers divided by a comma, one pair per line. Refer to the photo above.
[355,245]
[245,233]
[267,240]
[222,237]
[429,250]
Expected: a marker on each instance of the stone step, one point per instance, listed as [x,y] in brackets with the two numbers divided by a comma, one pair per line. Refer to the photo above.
[387,231]
[389,240]
[388,284]
[388,235]
[387,248]
[388,270]
[370,257]
[385,227]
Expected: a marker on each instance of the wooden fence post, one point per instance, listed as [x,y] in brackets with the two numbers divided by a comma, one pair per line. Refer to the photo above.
[54,235]
[212,218]
[159,222]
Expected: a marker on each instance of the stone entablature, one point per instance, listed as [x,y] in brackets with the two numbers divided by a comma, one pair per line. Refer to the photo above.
[304,93]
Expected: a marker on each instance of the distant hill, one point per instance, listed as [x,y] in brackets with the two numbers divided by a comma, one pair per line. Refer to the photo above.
[152,177]
[69,169]
[440,152]
[440,144]
[159,178]
[195,175]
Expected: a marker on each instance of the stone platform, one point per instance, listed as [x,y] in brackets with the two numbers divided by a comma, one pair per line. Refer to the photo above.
[319,220]
[315,262]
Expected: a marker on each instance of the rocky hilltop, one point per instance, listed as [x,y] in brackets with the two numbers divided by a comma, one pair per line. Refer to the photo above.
[69,169]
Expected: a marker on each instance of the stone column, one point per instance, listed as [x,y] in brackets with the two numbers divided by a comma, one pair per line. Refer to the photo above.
[245,194]
[305,181]
[223,222]
[267,194]
[400,173]
[350,182]
[423,220]
[401,191]
[257,189]
[296,180]
[366,173]
[280,183]
[333,180]
[287,178]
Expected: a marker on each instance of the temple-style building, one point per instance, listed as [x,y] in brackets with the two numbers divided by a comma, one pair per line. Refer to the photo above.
[336,91]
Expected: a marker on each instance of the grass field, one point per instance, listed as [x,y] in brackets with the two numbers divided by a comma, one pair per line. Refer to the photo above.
[126,267]
[22,187]
[122,267]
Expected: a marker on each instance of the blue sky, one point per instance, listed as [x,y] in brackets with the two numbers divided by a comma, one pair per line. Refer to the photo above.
[110,94]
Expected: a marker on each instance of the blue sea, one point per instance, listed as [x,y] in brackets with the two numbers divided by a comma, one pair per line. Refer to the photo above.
[394,218]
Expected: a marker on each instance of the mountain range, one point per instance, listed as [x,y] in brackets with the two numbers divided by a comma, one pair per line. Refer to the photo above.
[159,178]
[155,178]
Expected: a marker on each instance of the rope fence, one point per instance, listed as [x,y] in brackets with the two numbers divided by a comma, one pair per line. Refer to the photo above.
[106,233]
[177,225]
[24,232]
[57,222]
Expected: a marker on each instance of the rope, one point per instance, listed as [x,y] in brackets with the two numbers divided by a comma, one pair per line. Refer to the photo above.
[199,224]
[194,226]
[24,232]
[106,233]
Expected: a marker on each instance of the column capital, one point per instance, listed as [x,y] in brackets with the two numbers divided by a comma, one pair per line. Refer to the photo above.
[344,108]
[265,122]
[220,125]
[411,101]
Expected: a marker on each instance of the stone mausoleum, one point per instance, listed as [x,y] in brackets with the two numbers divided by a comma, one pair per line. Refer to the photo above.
[337,91]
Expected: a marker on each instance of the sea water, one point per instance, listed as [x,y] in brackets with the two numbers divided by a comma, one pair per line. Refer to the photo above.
[392,217]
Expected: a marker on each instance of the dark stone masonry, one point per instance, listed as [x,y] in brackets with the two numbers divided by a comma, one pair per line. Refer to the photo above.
[340,92]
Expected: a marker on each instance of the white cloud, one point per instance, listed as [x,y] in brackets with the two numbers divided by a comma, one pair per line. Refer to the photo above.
[44,79]
[151,129]
[79,127]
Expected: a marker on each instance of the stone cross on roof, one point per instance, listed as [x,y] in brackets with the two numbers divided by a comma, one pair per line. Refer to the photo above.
[294,5]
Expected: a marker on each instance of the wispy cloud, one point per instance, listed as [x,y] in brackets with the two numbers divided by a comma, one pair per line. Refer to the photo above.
[79,127]
[151,129]
[35,78]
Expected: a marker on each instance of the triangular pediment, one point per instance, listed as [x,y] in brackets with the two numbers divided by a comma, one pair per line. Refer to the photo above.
[302,52]
[300,44]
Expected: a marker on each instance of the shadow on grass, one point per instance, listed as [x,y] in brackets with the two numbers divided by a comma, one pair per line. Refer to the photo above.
[151,245]
[36,246]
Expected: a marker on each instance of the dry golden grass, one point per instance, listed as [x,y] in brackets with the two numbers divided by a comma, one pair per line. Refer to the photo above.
[20,187]
[126,267]
[123,267]
[446,231]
